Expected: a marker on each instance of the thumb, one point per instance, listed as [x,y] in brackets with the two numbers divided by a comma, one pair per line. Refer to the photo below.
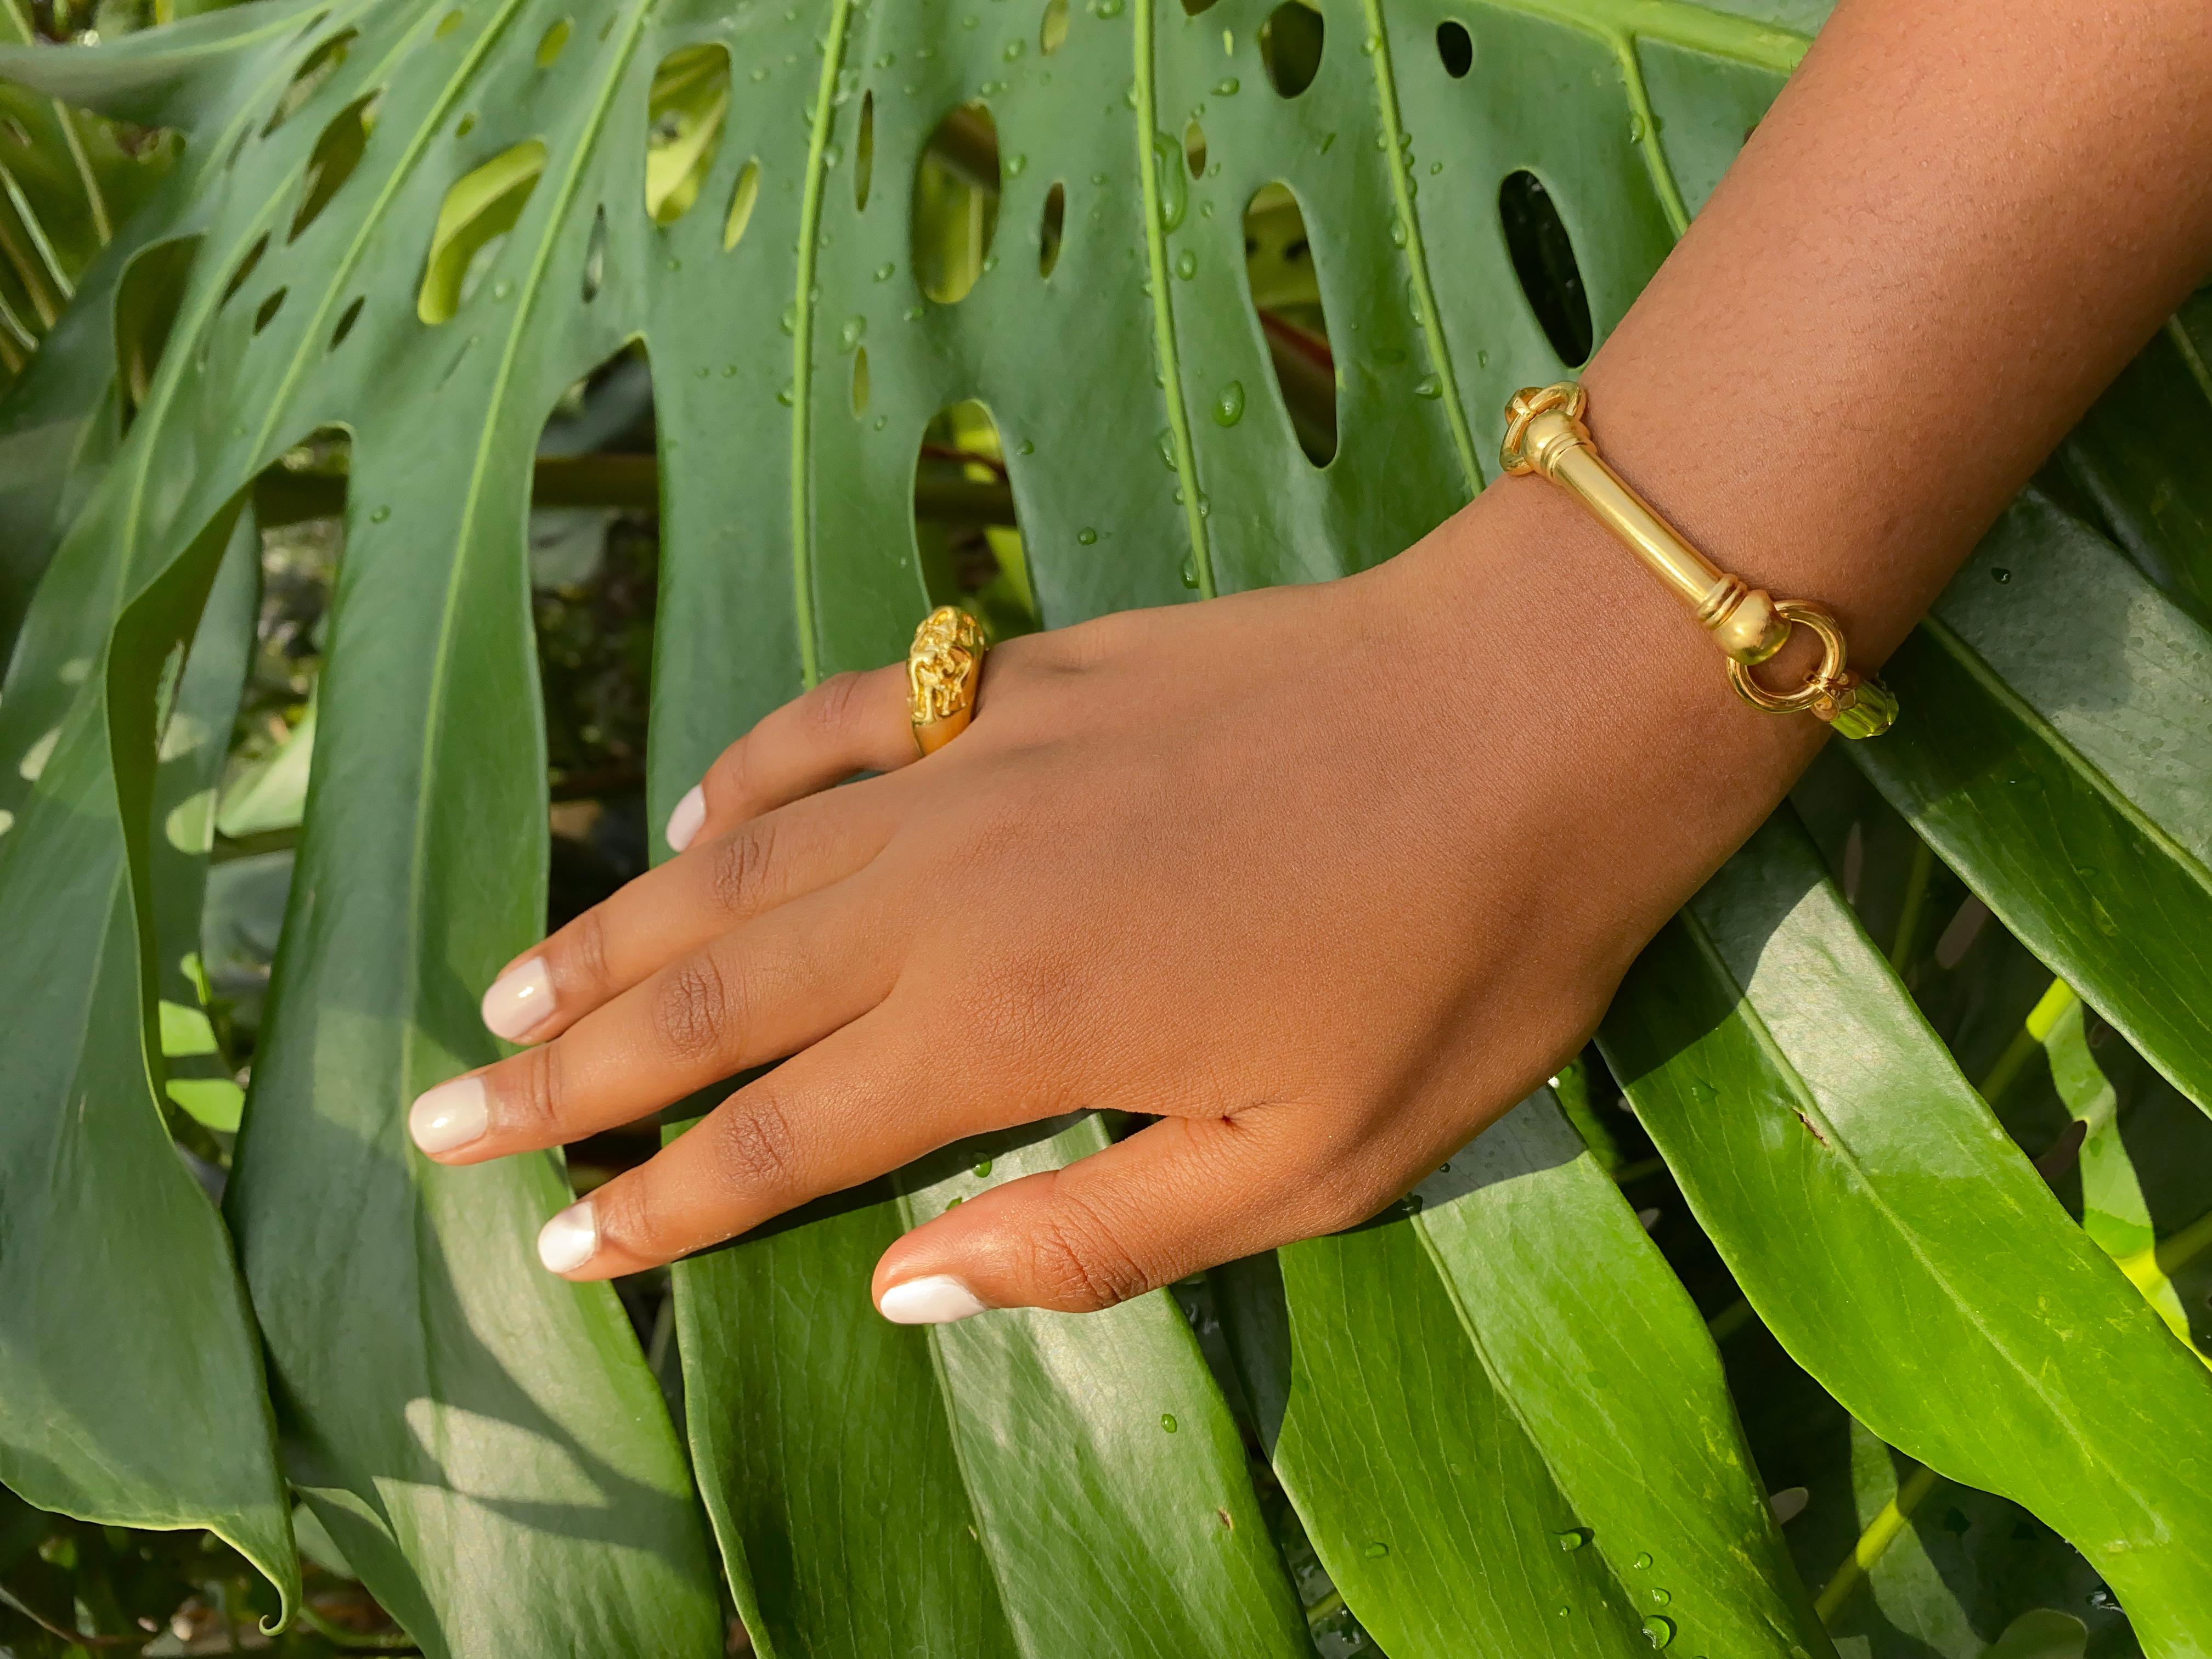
[1180,1195]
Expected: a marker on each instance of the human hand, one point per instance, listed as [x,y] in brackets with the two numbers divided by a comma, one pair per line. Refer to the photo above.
[1324,878]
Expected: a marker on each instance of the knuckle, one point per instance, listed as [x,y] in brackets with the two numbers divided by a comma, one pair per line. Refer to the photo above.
[834,710]
[530,1096]
[737,870]
[729,780]
[1078,1262]
[692,1007]
[580,954]
[755,1145]
[624,1212]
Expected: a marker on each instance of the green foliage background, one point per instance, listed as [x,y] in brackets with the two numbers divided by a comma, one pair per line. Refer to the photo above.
[790,321]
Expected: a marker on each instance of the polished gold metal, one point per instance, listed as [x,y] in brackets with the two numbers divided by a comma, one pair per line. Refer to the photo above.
[1545,433]
[942,668]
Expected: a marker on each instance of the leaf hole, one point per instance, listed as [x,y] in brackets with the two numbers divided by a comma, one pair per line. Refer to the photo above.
[861,381]
[245,267]
[591,568]
[269,309]
[1291,43]
[337,154]
[317,67]
[955,203]
[1193,148]
[1052,34]
[1455,48]
[864,153]
[967,537]
[550,43]
[1544,260]
[146,301]
[595,256]
[345,323]
[685,113]
[742,195]
[473,221]
[1053,228]
[1285,291]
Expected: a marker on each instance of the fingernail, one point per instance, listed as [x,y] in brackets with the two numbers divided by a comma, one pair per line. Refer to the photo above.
[520,1000]
[683,823]
[939,1299]
[452,1115]
[569,1239]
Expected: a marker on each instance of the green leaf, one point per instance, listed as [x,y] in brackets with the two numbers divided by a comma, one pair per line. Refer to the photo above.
[194,739]
[1029,1484]
[2063,773]
[1890,1234]
[472,1431]
[1505,1427]
[2139,456]
[87,1176]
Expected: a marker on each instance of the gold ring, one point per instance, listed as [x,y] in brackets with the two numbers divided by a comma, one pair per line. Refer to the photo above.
[942,668]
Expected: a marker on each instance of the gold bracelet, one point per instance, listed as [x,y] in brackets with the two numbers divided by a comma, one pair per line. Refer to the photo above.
[1545,433]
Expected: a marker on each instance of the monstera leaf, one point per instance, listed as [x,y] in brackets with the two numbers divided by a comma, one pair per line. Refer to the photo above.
[1203,297]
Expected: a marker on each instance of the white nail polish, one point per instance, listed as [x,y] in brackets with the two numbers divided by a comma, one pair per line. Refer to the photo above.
[683,823]
[939,1299]
[569,1239]
[520,1000]
[450,1115]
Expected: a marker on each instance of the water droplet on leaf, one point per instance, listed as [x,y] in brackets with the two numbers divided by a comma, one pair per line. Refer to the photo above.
[1572,1539]
[379,514]
[1377,1550]
[1168,1422]
[1186,264]
[1658,1630]
[1087,536]
[1229,406]
[1428,386]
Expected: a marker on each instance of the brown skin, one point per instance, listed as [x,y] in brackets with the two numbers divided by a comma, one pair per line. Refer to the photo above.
[1326,939]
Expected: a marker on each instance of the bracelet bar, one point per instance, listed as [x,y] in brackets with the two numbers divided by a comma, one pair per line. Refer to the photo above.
[1545,434]
[1742,619]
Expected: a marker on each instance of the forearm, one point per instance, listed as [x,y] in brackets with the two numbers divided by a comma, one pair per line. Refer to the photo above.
[1953,228]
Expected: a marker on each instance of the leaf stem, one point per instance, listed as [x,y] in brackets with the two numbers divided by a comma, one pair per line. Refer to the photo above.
[339,1637]
[1164,339]
[802,344]
[2027,1042]
[1880,1533]
[1916,904]
[57,272]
